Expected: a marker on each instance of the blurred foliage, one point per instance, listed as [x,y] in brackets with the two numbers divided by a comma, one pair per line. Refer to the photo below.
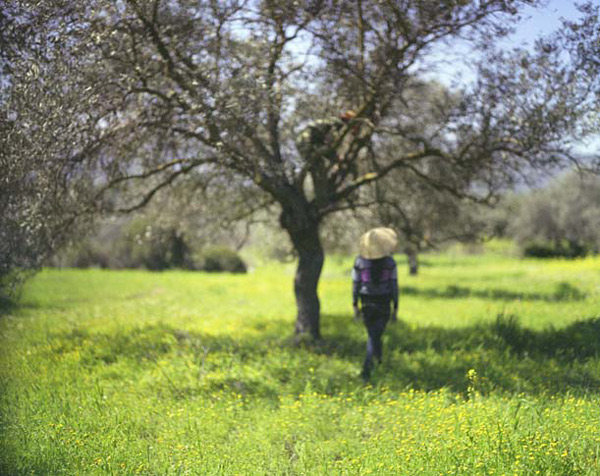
[562,249]
[219,258]
[155,247]
[145,242]
[561,219]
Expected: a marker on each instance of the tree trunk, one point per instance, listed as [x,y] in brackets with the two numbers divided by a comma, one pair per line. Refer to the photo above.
[413,262]
[305,289]
[303,228]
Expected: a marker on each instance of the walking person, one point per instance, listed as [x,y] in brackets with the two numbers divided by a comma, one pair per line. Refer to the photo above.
[375,285]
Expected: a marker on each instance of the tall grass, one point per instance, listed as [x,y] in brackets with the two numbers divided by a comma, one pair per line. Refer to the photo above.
[494,368]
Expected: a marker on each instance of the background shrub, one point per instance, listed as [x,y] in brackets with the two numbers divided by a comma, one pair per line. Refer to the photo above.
[220,258]
[560,220]
[545,249]
[137,243]
[156,248]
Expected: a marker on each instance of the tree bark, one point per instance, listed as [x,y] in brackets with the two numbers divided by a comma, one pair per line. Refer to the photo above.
[306,280]
[303,227]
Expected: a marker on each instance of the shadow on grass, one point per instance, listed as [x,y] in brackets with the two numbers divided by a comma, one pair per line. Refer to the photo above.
[13,305]
[506,357]
[563,292]
[6,306]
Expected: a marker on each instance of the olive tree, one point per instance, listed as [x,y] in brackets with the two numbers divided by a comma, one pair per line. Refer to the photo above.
[565,215]
[37,210]
[149,91]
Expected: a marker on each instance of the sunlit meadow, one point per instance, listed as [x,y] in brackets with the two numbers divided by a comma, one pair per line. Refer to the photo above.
[494,368]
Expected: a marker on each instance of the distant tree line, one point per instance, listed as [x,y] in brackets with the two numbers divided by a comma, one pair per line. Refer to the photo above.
[561,219]
[142,243]
[171,232]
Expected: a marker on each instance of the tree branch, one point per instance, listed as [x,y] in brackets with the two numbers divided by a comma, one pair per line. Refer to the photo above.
[373,176]
[148,196]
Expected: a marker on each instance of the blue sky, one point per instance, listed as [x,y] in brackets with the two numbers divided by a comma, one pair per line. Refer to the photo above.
[544,20]
[535,22]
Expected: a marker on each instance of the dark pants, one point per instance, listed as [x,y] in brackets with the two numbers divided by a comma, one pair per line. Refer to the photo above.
[376,314]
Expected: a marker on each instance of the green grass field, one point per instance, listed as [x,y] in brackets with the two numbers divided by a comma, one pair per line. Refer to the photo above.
[493,369]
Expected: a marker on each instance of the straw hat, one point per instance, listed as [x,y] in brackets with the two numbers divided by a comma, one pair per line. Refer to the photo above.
[377,243]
